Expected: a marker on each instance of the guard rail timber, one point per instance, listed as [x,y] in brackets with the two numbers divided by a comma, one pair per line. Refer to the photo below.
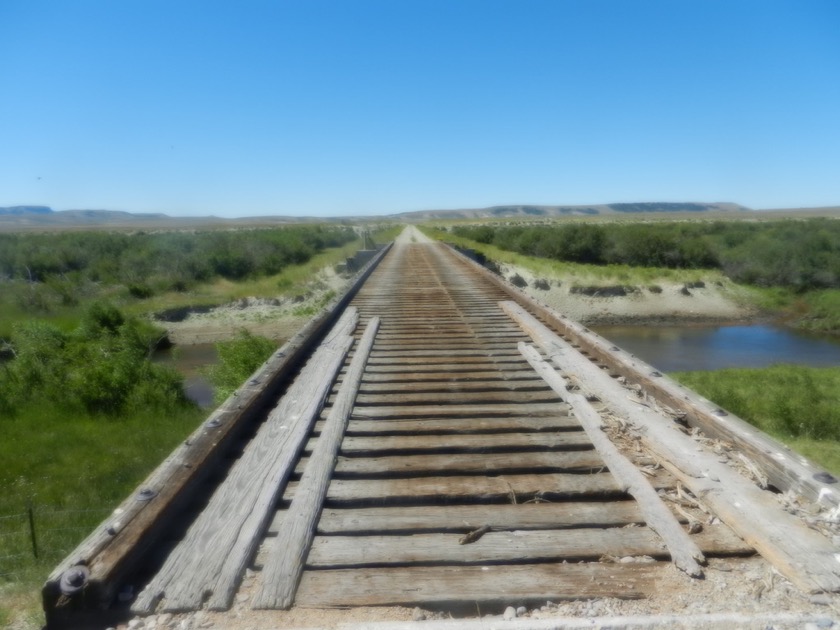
[786,470]
[84,584]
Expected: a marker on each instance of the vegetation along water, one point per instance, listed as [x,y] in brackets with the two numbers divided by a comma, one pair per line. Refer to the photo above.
[84,413]
[792,265]
[789,268]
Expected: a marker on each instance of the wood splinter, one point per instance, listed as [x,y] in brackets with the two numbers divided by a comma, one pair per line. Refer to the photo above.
[474,535]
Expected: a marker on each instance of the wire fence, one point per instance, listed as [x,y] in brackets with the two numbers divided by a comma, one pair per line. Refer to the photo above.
[39,533]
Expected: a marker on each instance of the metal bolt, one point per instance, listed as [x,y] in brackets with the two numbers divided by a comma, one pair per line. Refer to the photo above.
[74,579]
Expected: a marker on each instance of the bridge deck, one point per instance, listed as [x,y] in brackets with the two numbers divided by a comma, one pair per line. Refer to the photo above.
[442,470]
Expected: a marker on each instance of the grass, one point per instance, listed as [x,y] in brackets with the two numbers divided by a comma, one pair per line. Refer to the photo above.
[580,274]
[816,310]
[292,281]
[799,406]
[73,471]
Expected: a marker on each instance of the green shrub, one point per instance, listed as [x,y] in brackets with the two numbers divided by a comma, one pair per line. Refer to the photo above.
[784,400]
[238,359]
[101,368]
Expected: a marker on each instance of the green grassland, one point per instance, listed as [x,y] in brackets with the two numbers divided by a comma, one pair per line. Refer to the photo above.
[84,414]
[800,406]
[67,316]
[788,267]
[580,274]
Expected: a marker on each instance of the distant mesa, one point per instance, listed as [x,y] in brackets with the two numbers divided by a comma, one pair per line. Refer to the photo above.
[28,217]
[21,210]
[523,211]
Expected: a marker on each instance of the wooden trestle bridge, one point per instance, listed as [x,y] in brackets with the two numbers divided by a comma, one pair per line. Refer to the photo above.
[436,438]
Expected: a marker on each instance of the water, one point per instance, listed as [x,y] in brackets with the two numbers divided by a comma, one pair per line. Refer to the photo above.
[683,348]
[189,360]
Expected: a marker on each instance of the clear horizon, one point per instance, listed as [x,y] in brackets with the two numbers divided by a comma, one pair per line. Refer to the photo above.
[374,107]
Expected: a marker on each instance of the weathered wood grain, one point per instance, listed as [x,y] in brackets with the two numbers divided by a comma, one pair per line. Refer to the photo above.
[472,361]
[461,443]
[282,569]
[785,469]
[684,552]
[446,586]
[802,555]
[470,463]
[508,547]
[390,377]
[464,518]
[453,385]
[512,488]
[460,398]
[438,354]
[452,411]
[446,367]
[123,540]
[560,422]
[217,546]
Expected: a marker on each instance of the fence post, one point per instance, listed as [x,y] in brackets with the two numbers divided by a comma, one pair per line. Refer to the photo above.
[31,511]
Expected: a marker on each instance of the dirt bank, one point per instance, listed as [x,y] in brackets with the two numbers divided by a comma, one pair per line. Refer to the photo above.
[663,302]
[277,318]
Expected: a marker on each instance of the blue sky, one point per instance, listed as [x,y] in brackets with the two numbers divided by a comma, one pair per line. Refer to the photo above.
[308,107]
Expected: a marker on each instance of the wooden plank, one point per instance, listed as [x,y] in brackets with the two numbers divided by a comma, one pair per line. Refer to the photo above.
[463,443]
[411,337]
[413,369]
[485,359]
[123,540]
[465,518]
[212,556]
[509,547]
[504,350]
[559,422]
[470,463]
[684,552]
[802,555]
[282,568]
[447,342]
[453,411]
[459,397]
[785,469]
[391,378]
[482,585]
[512,488]
[453,385]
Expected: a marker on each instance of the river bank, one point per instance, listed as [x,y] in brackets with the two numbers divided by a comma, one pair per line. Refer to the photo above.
[662,302]
[277,318]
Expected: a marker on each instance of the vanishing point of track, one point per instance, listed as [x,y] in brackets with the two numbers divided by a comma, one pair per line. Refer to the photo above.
[459,468]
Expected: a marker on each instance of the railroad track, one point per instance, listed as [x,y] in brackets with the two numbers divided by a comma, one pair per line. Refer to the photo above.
[447,443]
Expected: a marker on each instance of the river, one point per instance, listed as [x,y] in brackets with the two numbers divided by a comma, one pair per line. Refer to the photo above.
[189,361]
[668,348]
[683,348]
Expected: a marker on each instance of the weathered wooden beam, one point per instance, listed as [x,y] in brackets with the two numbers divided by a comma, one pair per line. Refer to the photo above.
[211,558]
[480,443]
[122,541]
[466,518]
[446,586]
[801,554]
[283,568]
[508,547]
[786,469]
[684,552]
[470,463]
[506,488]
